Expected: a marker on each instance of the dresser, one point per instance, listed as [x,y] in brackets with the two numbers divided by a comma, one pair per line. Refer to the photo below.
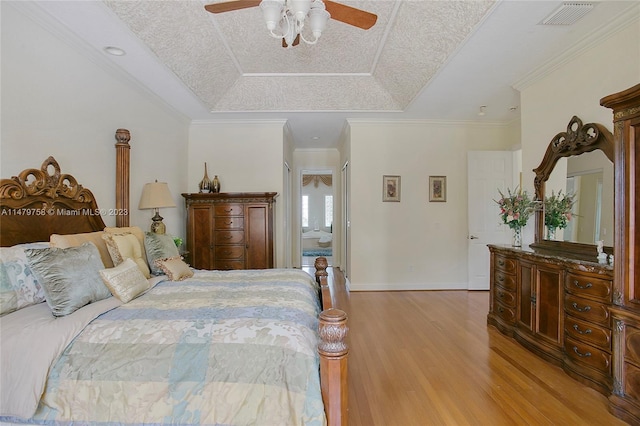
[557,307]
[625,313]
[230,230]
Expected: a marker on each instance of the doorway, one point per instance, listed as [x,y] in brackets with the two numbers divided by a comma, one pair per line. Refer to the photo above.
[317,201]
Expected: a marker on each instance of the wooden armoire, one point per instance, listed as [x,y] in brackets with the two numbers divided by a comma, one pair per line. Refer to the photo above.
[230,230]
[625,312]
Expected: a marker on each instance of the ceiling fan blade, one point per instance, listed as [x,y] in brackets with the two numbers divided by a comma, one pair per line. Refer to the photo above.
[228,6]
[350,15]
[295,42]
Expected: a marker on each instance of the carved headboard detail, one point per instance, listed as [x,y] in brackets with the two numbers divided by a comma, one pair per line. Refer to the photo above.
[40,202]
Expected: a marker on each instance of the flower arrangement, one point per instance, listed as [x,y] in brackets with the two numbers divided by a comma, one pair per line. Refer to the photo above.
[557,209]
[515,208]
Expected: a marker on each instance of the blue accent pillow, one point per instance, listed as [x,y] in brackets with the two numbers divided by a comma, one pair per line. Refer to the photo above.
[159,246]
[70,277]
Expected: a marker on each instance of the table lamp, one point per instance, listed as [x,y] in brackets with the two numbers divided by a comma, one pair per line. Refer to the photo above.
[156,195]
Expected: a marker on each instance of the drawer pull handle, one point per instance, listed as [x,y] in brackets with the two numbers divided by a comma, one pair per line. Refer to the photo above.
[227,237]
[500,309]
[501,295]
[576,328]
[228,210]
[501,262]
[577,284]
[500,278]
[229,222]
[585,355]
[579,309]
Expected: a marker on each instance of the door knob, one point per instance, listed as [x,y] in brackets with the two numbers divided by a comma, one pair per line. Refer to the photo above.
[473,237]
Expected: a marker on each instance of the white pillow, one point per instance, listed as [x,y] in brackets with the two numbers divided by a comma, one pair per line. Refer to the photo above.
[125,281]
[126,246]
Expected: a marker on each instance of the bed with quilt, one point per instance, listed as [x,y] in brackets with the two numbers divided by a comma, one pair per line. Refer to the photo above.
[108,325]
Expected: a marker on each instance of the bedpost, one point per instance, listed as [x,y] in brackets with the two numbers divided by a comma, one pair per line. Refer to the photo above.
[122,177]
[334,352]
[333,365]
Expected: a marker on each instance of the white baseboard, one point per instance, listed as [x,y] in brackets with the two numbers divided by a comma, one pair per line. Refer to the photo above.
[408,286]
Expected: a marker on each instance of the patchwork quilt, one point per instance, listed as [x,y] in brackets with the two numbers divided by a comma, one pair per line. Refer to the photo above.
[221,348]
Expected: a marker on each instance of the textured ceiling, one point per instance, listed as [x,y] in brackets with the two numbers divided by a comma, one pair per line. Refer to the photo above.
[423,60]
[231,63]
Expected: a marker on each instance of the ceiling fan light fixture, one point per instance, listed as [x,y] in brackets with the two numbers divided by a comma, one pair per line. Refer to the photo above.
[272,11]
[299,9]
[318,18]
[286,19]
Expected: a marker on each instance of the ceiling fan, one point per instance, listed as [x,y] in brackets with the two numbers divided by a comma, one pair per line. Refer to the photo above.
[286,18]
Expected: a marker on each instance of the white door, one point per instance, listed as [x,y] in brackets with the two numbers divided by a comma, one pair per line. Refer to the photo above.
[488,172]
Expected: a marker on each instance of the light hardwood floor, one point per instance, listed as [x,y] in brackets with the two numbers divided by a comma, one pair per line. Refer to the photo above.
[429,358]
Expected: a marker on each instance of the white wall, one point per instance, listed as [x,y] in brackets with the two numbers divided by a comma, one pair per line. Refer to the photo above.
[548,102]
[56,101]
[246,156]
[413,244]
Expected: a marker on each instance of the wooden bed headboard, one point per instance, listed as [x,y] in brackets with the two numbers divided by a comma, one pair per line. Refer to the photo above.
[44,201]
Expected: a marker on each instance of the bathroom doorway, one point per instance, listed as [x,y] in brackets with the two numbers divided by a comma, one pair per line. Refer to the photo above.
[317,202]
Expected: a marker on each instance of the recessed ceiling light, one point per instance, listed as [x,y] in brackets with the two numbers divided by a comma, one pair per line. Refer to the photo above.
[315,138]
[115,51]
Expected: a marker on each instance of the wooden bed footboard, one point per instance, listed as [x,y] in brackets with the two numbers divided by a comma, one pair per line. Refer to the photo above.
[333,347]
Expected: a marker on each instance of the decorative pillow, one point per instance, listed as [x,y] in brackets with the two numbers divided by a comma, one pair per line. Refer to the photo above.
[175,268]
[70,277]
[159,246]
[75,240]
[135,230]
[126,246]
[125,281]
[19,287]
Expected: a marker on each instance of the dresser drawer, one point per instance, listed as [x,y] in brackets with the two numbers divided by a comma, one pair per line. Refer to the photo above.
[586,286]
[230,252]
[228,210]
[226,265]
[231,222]
[583,331]
[587,355]
[507,313]
[229,237]
[506,297]
[505,264]
[506,281]
[586,309]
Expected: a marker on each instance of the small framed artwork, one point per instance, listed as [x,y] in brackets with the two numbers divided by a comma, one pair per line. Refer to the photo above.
[390,188]
[437,188]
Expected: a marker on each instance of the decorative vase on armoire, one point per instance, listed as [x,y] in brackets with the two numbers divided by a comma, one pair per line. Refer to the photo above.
[205,183]
[215,184]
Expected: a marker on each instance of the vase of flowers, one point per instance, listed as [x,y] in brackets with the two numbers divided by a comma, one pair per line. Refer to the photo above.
[558,211]
[515,209]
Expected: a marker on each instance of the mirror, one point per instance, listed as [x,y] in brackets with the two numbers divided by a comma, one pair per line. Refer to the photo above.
[590,177]
[579,160]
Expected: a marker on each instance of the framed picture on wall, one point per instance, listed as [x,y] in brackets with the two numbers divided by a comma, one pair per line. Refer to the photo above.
[437,188]
[391,188]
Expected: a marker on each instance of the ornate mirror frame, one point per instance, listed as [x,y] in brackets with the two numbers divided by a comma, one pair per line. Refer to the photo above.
[577,140]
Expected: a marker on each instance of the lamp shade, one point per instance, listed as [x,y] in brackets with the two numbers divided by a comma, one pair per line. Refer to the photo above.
[156,195]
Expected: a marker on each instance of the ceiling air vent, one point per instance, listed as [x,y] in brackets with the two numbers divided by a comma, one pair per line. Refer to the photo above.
[568,13]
